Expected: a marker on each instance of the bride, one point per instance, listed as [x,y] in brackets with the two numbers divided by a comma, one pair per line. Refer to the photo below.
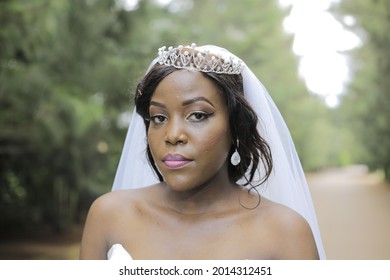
[208,170]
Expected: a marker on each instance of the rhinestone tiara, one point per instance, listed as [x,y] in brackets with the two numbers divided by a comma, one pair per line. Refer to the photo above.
[189,57]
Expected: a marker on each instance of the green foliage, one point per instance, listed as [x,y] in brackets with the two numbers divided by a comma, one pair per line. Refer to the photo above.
[67,69]
[366,106]
[54,113]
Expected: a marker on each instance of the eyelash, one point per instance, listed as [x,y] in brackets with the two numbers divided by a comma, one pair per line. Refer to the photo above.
[204,116]
[156,119]
[153,119]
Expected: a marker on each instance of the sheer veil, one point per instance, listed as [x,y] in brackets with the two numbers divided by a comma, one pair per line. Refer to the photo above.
[287,184]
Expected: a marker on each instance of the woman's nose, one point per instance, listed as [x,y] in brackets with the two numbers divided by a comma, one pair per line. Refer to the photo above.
[175,132]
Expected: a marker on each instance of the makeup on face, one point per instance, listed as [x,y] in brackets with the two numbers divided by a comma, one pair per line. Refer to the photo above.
[189,134]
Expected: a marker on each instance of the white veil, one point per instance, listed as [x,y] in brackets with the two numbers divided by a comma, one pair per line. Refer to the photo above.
[287,184]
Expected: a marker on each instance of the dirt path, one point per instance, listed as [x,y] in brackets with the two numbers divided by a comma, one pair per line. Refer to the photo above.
[43,244]
[353,211]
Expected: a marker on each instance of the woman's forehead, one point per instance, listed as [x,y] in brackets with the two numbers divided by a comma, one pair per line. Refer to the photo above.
[184,85]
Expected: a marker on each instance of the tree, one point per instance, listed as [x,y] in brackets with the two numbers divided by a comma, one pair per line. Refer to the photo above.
[68,69]
[57,94]
[368,100]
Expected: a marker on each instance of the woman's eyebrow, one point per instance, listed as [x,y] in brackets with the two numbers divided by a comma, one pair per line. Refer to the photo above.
[185,102]
[158,104]
[196,99]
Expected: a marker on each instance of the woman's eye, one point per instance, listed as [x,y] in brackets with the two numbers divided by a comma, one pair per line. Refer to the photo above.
[198,116]
[158,119]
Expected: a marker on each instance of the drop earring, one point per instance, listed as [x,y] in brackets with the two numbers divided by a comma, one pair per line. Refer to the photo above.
[235,158]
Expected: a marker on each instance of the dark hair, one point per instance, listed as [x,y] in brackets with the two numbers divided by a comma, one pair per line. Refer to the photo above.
[242,120]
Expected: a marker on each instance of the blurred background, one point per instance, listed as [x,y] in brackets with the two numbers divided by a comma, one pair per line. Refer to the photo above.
[67,74]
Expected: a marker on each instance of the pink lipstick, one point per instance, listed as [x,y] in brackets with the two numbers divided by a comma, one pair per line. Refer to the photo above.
[175,161]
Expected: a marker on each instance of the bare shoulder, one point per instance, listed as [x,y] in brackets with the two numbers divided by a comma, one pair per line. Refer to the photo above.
[114,207]
[288,231]
[281,217]
[110,203]
[108,216]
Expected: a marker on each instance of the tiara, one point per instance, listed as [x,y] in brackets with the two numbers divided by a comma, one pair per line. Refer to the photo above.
[190,58]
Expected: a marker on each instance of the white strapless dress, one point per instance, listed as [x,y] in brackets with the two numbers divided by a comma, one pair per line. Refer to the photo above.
[118,253]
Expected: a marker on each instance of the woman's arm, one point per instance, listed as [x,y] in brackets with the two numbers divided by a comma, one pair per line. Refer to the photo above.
[94,243]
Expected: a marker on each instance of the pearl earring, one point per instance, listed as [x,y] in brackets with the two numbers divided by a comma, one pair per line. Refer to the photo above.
[235,158]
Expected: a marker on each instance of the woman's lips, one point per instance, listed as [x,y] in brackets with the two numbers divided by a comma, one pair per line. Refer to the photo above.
[175,161]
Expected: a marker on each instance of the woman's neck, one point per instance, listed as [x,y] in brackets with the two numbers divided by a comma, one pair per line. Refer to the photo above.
[211,197]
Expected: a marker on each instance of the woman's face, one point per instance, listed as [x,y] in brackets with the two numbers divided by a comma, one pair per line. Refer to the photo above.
[189,135]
